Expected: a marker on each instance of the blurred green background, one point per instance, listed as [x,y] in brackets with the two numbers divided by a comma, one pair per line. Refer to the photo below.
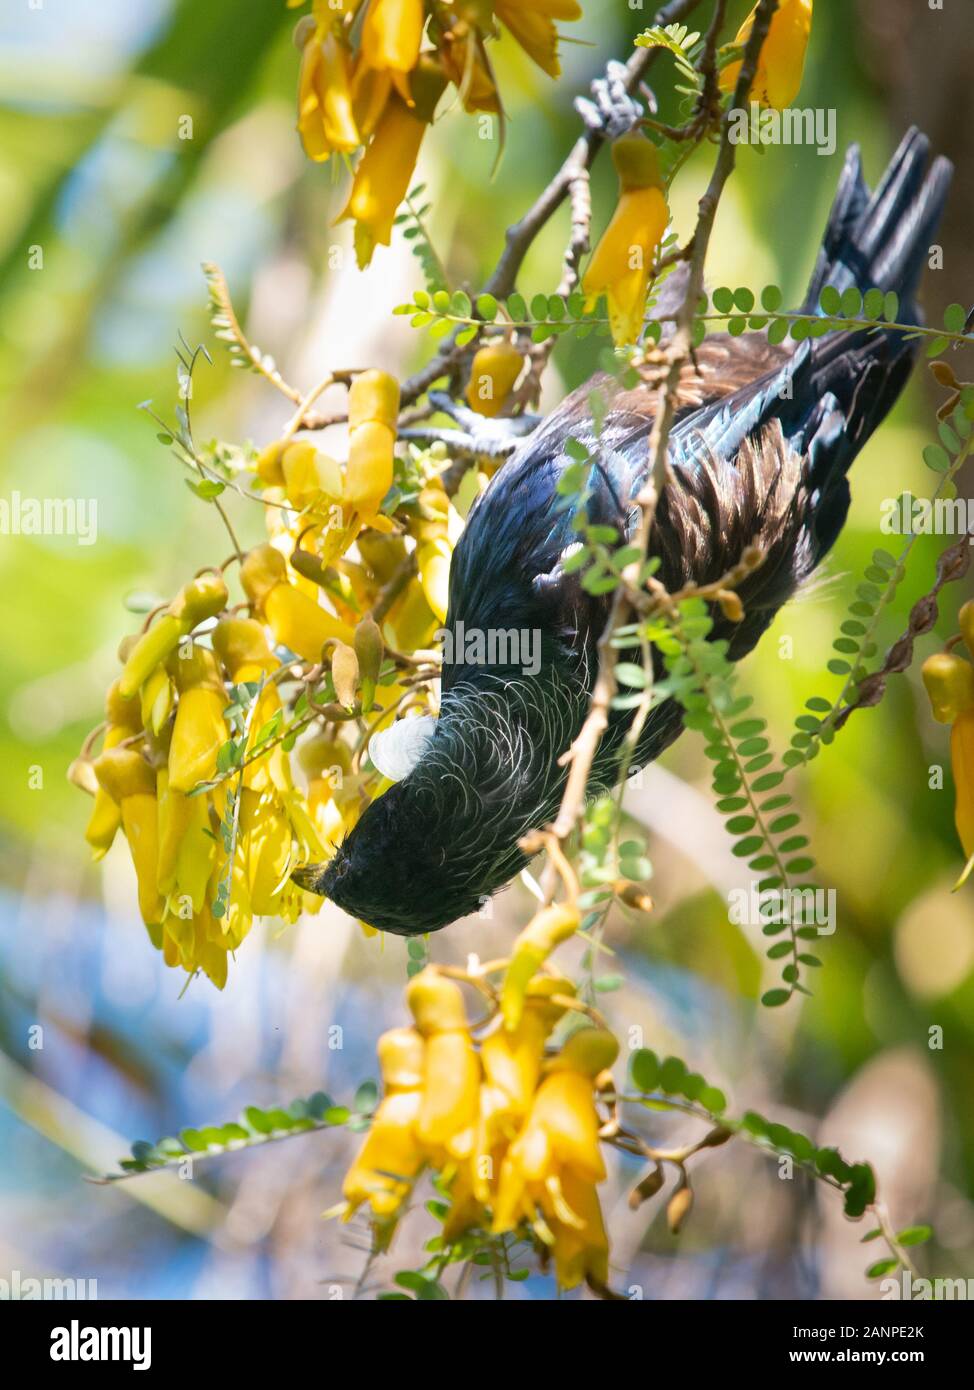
[95,174]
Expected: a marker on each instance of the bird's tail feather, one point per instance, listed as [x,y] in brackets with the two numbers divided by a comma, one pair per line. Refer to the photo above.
[881,240]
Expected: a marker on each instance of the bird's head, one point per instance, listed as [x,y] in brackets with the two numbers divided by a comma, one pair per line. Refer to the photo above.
[393,871]
[439,842]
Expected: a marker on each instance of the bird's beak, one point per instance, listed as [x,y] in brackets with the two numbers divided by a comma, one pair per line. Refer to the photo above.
[309,877]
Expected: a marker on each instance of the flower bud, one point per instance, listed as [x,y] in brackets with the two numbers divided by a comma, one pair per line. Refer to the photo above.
[373,397]
[262,569]
[636,161]
[241,642]
[400,1053]
[646,1188]
[731,606]
[121,711]
[949,682]
[268,467]
[369,649]
[203,597]
[435,1002]
[494,371]
[589,1051]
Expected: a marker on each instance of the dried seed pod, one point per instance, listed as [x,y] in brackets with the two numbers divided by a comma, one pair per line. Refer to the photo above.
[730,605]
[679,1205]
[647,1187]
[344,673]
[633,896]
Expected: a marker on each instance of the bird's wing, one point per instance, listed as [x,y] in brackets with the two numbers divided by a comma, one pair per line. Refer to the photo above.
[507,571]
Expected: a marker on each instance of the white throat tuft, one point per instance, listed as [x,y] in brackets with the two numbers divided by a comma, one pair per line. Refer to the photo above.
[396,751]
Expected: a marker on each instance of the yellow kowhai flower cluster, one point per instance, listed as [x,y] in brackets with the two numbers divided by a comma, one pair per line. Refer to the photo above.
[373,72]
[167,721]
[195,765]
[334,509]
[510,1126]
[949,680]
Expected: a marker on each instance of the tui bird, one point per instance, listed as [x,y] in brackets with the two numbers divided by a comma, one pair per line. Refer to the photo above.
[760,452]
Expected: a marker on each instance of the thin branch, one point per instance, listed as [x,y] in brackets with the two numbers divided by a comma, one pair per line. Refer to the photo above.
[582,752]
[522,234]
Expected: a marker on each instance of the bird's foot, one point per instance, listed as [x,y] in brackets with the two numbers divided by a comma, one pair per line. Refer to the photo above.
[611,111]
[478,435]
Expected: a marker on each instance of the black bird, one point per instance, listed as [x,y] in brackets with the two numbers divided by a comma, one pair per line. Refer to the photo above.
[763,441]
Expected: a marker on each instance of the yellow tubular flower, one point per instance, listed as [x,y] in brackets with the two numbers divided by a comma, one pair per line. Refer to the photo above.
[512,1068]
[621,264]
[560,1136]
[266,836]
[385,171]
[433,560]
[373,413]
[512,1057]
[411,622]
[781,61]
[201,598]
[494,371]
[310,478]
[384,555]
[451,1070]
[199,730]
[370,92]
[371,460]
[124,719]
[544,932]
[326,121]
[156,698]
[962,760]
[242,648]
[949,682]
[532,22]
[186,848]
[392,34]
[391,1157]
[297,621]
[129,781]
[581,1246]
